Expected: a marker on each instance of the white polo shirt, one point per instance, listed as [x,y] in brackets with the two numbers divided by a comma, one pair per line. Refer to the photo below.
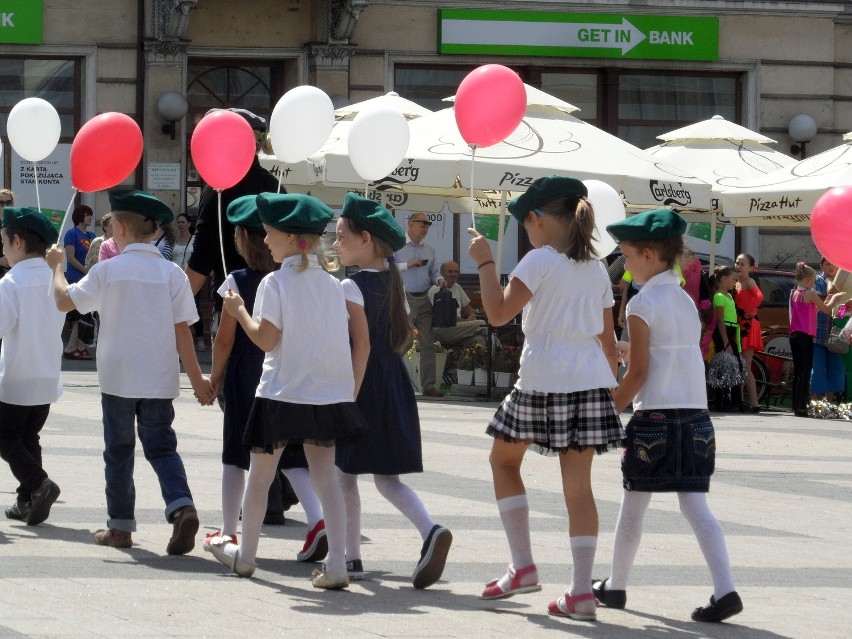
[675,366]
[312,363]
[458,294]
[31,329]
[140,297]
[561,323]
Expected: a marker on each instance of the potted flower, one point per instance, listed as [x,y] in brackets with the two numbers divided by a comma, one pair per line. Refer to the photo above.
[440,360]
[412,363]
[507,361]
[478,357]
[464,367]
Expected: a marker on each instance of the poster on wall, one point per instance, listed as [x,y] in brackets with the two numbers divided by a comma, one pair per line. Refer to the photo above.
[54,182]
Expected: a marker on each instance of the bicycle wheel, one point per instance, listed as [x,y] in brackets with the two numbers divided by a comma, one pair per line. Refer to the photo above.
[761,378]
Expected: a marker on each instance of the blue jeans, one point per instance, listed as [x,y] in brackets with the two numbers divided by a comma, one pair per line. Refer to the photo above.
[153,419]
[669,450]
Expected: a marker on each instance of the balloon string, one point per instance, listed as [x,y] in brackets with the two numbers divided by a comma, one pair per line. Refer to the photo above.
[61,230]
[280,177]
[38,199]
[366,190]
[472,209]
[221,242]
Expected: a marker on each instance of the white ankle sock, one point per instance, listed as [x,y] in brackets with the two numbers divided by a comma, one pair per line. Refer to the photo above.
[628,534]
[711,540]
[405,501]
[583,553]
[300,480]
[324,478]
[262,469]
[233,486]
[352,499]
[515,515]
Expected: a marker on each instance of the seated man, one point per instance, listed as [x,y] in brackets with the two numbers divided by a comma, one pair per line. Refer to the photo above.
[468,330]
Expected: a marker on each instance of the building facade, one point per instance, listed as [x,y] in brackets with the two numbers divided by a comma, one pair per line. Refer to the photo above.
[758,63]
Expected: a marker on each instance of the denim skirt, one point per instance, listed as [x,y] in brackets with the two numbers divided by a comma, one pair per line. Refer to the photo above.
[669,450]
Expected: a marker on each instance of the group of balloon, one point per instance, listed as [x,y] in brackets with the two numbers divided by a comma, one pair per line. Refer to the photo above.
[489,105]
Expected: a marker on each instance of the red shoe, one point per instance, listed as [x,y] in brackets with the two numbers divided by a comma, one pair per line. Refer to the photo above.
[316,544]
[209,537]
[564,607]
[494,591]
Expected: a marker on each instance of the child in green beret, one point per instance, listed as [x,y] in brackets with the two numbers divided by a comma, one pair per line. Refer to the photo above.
[671,443]
[306,392]
[145,306]
[367,236]
[30,357]
[561,402]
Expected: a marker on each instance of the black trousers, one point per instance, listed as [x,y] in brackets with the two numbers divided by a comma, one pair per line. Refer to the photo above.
[802,347]
[20,447]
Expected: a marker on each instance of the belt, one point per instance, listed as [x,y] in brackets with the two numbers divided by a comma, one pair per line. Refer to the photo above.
[418,294]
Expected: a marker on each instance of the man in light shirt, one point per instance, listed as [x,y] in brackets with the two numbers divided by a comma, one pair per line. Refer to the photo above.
[468,330]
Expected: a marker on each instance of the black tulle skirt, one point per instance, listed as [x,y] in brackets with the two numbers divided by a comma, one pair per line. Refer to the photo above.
[272,424]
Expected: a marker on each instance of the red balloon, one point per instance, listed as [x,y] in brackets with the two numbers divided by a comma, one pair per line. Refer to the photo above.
[831,226]
[222,148]
[105,152]
[490,104]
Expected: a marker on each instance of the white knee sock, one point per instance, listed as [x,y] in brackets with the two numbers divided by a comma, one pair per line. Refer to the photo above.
[405,501]
[628,534]
[515,515]
[300,480]
[711,540]
[352,499]
[324,478]
[233,485]
[262,469]
[583,553]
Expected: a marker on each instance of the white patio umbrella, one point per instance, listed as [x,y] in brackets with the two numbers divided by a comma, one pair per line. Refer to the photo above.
[786,197]
[722,153]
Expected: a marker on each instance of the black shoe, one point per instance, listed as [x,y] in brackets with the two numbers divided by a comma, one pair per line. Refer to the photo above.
[433,557]
[609,598]
[20,510]
[43,498]
[727,606]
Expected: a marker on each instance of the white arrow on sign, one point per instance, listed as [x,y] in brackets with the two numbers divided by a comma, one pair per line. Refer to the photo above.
[544,34]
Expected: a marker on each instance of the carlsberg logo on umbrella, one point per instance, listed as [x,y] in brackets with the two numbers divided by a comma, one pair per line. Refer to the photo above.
[667,193]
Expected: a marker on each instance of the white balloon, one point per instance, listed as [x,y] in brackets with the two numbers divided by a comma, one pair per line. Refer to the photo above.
[378,142]
[609,208]
[301,123]
[34,128]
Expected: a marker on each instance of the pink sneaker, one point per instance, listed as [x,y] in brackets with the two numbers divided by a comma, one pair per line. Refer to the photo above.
[209,537]
[316,544]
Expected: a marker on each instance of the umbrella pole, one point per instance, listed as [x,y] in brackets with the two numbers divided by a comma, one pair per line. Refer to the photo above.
[712,240]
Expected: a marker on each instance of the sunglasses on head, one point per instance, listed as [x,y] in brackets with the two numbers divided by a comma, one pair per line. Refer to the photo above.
[6,202]
[426,222]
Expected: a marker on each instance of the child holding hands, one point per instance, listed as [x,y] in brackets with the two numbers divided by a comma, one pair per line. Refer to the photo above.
[30,357]
[308,386]
[670,444]
[561,402]
[367,236]
[145,306]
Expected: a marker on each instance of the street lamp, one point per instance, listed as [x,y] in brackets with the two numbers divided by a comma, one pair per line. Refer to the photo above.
[172,106]
[802,129]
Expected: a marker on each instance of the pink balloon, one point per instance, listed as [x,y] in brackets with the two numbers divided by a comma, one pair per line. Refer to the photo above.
[105,152]
[831,226]
[222,148]
[490,104]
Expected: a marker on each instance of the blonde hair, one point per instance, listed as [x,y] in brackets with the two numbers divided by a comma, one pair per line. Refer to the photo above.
[311,243]
[138,226]
[804,272]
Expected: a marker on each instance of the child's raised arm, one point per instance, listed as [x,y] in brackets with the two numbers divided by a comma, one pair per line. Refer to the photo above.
[359,333]
[500,305]
[55,257]
[264,334]
[637,371]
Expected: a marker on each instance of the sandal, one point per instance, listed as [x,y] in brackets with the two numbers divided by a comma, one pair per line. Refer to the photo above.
[233,562]
[210,539]
[84,354]
[564,607]
[322,579]
[71,354]
[493,590]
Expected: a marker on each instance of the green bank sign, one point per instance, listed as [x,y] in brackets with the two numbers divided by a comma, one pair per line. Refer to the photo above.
[578,35]
[21,21]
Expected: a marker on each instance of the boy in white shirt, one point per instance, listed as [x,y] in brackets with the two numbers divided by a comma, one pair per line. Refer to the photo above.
[30,358]
[145,306]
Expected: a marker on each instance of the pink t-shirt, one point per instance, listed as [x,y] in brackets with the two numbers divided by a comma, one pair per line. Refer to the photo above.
[108,249]
[802,313]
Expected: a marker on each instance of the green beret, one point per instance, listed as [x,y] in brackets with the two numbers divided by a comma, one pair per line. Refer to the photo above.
[375,219]
[243,212]
[543,190]
[294,212]
[142,203]
[658,224]
[31,220]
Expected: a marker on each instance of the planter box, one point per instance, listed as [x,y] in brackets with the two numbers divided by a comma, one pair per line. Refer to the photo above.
[503,380]
[413,365]
[464,377]
[480,376]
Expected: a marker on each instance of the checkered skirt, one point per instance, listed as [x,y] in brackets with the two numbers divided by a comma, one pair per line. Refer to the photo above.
[555,422]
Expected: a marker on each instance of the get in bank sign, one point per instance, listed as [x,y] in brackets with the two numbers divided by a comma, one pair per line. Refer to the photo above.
[578,35]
